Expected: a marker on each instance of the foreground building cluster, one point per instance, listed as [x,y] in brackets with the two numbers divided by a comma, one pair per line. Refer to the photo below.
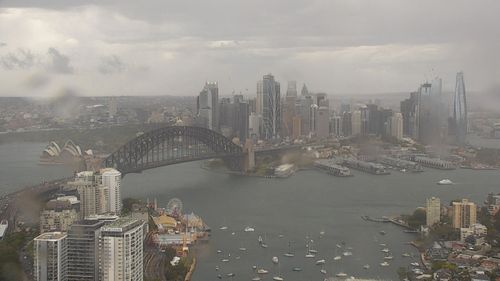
[101,249]
[470,254]
[83,236]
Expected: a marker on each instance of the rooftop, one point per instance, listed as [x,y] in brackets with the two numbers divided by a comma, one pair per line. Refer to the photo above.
[51,236]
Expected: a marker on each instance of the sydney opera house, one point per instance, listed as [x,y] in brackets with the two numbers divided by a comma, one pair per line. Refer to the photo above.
[54,154]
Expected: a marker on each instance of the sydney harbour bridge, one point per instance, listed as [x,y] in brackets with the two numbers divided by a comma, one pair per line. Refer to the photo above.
[173,145]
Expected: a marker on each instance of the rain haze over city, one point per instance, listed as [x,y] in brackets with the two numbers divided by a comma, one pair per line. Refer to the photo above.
[249,140]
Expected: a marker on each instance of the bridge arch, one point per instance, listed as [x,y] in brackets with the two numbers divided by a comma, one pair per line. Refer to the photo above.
[172,145]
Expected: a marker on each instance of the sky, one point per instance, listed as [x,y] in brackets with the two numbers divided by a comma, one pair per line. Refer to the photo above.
[164,47]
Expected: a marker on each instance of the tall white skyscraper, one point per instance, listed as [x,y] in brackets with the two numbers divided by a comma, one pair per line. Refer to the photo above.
[112,179]
[51,259]
[397,125]
[433,211]
[121,250]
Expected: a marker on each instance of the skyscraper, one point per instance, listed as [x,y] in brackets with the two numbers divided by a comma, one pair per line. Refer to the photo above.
[291,90]
[207,106]
[112,179]
[356,123]
[433,211]
[271,107]
[463,214]
[323,122]
[83,245]
[431,114]
[50,263]
[121,250]
[460,109]
[304,91]
[397,125]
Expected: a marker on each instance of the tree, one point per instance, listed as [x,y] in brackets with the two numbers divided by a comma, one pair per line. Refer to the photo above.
[417,219]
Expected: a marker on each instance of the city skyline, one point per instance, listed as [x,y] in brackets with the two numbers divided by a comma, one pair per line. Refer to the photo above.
[144,51]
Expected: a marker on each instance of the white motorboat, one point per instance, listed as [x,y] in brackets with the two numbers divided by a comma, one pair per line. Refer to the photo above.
[256,278]
[320,262]
[385,250]
[249,229]
[341,274]
[313,251]
[366,266]
[406,255]
[262,271]
[322,271]
[388,257]
[415,264]
[219,251]
[254,267]
[336,258]
[275,260]
[225,260]
[384,264]
[290,255]
[297,269]
[310,255]
[223,228]
[242,249]
[278,278]
[347,254]
[264,245]
[231,274]
[445,182]
[338,246]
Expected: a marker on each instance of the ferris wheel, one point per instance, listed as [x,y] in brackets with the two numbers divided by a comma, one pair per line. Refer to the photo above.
[174,206]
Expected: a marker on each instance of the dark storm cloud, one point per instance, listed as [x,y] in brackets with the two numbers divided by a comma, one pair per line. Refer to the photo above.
[111,64]
[59,63]
[21,59]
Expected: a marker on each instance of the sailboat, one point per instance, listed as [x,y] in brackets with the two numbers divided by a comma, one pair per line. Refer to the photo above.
[289,253]
[262,242]
[308,252]
[278,277]
[337,257]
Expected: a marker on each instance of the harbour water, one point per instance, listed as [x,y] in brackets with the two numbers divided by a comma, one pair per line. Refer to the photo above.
[19,167]
[282,211]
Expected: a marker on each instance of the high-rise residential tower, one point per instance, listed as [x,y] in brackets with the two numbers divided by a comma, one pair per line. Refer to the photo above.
[433,211]
[83,245]
[460,109]
[121,250]
[50,257]
[463,214]
[112,179]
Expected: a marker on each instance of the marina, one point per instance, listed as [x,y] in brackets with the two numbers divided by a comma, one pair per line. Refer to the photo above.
[400,164]
[369,167]
[435,163]
[330,167]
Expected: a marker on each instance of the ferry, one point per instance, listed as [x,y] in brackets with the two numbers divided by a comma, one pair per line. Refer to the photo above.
[445,182]
[329,166]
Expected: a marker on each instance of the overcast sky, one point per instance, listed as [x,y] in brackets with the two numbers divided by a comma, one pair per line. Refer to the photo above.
[128,47]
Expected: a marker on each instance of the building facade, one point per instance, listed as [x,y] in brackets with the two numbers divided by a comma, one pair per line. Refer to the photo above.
[433,211]
[121,250]
[50,257]
[460,109]
[83,245]
[463,214]
[271,107]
